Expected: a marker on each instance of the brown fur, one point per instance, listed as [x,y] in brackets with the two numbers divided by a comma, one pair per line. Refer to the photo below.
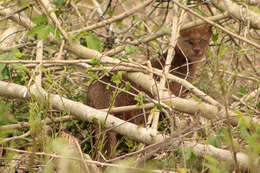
[193,42]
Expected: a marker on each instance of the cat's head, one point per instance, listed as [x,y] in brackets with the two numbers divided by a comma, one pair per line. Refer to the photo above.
[194,41]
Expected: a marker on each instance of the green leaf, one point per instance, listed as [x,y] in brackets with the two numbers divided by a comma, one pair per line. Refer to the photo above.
[92,75]
[166,30]
[35,30]
[129,142]
[127,86]
[182,170]
[55,32]
[119,22]
[188,153]
[134,17]
[223,49]
[241,52]
[140,98]
[95,61]
[215,141]
[105,72]
[130,49]
[242,119]
[215,37]
[3,74]
[158,106]
[214,165]
[44,32]
[117,78]
[59,3]
[123,58]
[4,108]
[9,56]
[40,20]
[243,90]
[5,116]
[18,54]
[93,42]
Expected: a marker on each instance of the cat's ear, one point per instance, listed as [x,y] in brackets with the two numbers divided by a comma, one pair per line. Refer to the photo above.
[209,27]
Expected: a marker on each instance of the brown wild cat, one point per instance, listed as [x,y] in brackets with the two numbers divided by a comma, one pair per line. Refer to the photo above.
[192,45]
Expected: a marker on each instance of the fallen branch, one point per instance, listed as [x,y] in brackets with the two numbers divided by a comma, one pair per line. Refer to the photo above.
[81,111]
[86,113]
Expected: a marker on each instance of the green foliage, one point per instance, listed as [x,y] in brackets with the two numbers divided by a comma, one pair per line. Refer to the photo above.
[215,141]
[89,40]
[121,57]
[188,158]
[6,70]
[167,162]
[42,29]
[92,75]
[66,81]
[117,78]
[250,133]
[223,49]
[254,143]
[187,154]
[158,106]
[130,49]
[215,166]
[95,61]
[59,3]
[119,22]
[127,86]
[166,30]
[241,53]
[40,20]
[140,99]
[62,146]
[130,144]
[5,116]
[93,42]
[215,37]
[243,91]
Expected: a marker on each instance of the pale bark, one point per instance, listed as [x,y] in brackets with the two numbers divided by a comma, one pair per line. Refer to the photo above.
[115,18]
[235,10]
[86,113]
[82,112]
[7,37]
[18,18]
[49,11]
[220,154]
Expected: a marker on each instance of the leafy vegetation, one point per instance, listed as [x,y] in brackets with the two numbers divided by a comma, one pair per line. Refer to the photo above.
[36,136]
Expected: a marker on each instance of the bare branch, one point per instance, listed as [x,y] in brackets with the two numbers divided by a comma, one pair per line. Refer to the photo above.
[218,26]
[115,18]
[235,10]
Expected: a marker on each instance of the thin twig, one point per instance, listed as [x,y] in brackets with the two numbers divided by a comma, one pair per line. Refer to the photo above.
[218,26]
[114,19]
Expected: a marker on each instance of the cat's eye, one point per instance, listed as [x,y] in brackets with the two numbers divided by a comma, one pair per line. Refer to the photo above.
[188,41]
[203,41]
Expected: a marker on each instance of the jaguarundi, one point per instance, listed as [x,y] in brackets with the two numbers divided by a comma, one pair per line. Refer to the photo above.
[191,47]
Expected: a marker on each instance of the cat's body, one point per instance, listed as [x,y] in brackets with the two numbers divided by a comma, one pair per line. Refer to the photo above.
[193,42]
